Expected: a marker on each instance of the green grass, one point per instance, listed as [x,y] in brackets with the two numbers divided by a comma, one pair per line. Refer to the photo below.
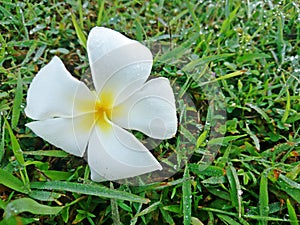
[242,56]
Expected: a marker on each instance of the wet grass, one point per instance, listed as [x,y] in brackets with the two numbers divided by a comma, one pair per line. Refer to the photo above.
[234,66]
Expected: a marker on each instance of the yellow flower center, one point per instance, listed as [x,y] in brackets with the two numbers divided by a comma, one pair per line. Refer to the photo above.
[103,110]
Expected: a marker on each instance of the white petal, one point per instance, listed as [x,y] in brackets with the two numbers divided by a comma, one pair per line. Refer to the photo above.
[150,110]
[69,134]
[55,93]
[117,154]
[102,40]
[118,64]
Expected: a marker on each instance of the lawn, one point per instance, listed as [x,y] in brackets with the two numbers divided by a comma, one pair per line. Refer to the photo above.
[234,67]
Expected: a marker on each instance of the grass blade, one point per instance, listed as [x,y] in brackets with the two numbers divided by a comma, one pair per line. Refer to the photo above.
[88,189]
[195,18]
[28,205]
[8,180]
[253,137]
[229,18]
[252,56]
[51,153]
[79,32]
[260,111]
[9,15]
[44,195]
[114,208]
[224,140]
[17,102]
[227,76]
[263,198]
[100,13]
[149,209]
[80,13]
[288,102]
[167,216]
[2,139]
[235,189]
[196,221]
[186,198]
[206,59]
[291,187]
[292,213]
[227,219]
[15,145]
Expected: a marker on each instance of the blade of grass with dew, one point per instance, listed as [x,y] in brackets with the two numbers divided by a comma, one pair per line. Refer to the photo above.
[88,189]
[205,59]
[32,50]
[158,185]
[263,198]
[114,208]
[9,15]
[288,101]
[225,140]
[220,211]
[134,220]
[3,47]
[264,218]
[228,220]
[79,32]
[281,45]
[28,205]
[227,76]
[20,13]
[17,102]
[44,195]
[149,209]
[253,137]
[235,189]
[51,153]
[260,111]
[186,198]
[291,187]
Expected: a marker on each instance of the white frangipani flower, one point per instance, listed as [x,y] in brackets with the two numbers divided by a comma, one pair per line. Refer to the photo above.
[76,119]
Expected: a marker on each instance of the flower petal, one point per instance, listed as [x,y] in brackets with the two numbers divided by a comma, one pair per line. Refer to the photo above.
[118,64]
[150,110]
[69,134]
[55,93]
[117,154]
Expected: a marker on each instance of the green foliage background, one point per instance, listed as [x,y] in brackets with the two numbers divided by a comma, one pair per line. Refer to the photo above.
[252,49]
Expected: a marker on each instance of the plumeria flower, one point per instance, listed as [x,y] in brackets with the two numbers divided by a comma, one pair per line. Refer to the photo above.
[96,123]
